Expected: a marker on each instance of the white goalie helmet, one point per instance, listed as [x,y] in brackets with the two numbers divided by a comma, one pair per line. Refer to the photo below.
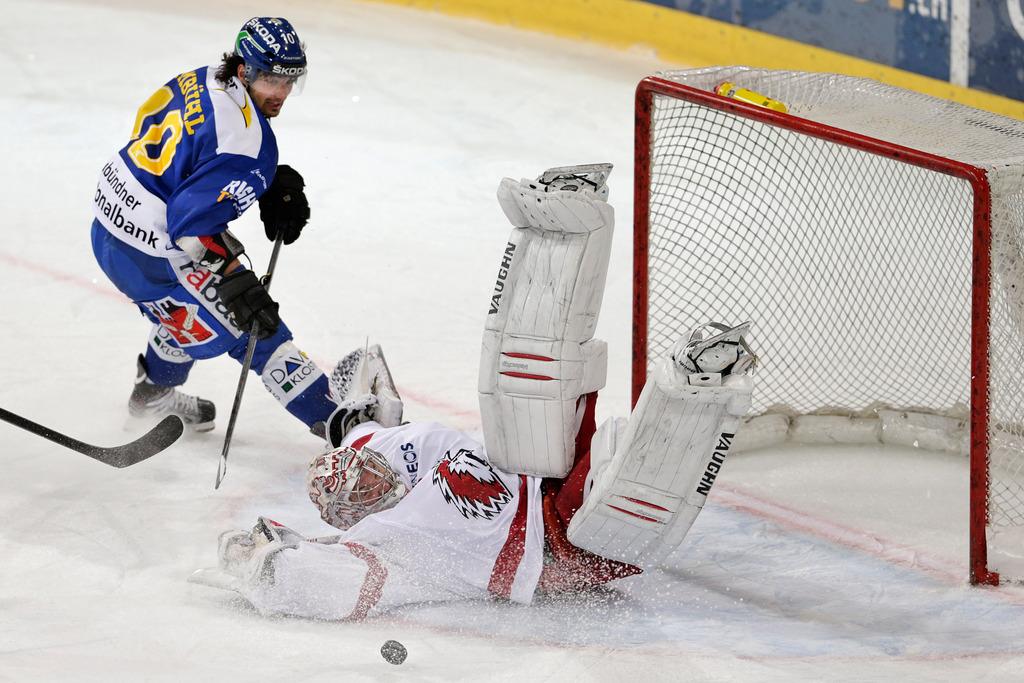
[347,485]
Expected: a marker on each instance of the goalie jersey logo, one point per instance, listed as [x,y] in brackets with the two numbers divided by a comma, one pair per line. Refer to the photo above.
[471,485]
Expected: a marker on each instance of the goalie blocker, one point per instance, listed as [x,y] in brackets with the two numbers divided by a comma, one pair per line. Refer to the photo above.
[538,353]
[652,474]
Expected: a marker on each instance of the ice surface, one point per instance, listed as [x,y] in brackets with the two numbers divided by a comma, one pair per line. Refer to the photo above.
[812,564]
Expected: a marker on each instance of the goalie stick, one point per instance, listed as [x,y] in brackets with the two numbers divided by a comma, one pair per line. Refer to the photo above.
[146,446]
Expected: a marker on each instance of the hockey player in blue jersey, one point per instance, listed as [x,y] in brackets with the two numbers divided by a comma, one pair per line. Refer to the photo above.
[202,152]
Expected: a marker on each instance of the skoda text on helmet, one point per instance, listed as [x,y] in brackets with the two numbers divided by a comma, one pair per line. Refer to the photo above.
[272,51]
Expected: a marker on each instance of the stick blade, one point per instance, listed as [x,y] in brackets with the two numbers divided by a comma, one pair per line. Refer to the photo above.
[157,439]
[222,469]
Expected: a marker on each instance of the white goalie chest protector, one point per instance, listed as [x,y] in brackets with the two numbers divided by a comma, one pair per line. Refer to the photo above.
[538,354]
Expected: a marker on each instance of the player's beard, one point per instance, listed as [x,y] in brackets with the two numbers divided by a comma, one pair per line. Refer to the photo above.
[271,107]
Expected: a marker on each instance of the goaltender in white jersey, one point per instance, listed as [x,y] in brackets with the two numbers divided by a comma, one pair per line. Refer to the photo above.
[551,504]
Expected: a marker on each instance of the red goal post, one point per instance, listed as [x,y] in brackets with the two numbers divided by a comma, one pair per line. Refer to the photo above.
[860,232]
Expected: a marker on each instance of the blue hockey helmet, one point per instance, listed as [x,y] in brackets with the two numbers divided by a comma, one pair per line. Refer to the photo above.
[271,49]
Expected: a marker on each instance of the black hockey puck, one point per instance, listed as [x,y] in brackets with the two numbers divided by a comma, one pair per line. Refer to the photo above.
[393,652]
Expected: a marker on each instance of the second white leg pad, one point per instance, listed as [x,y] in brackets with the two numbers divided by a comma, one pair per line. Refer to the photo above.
[644,501]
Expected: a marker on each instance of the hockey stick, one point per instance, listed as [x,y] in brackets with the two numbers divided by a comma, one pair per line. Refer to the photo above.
[149,444]
[250,349]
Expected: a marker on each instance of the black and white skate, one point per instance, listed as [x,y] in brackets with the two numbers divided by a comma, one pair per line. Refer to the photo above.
[150,400]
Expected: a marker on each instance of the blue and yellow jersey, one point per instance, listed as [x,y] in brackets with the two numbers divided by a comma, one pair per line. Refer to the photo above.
[200,153]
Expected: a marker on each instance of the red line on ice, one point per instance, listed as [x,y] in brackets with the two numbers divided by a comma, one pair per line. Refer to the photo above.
[109,291]
[857,539]
[63,276]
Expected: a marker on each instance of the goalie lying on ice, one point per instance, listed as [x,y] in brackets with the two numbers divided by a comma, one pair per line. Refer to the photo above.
[427,513]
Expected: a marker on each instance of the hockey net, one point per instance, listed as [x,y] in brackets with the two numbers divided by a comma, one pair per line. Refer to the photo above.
[874,236]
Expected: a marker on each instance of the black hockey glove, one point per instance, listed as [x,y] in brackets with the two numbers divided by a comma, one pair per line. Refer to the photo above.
[284,209]
[248,301]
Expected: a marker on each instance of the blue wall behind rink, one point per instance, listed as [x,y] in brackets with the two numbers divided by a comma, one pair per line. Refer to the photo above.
[914,35]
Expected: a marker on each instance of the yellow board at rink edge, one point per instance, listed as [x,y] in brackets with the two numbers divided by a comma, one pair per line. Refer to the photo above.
[694,41]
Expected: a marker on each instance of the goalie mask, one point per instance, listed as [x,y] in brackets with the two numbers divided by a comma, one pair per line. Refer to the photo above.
[347,485]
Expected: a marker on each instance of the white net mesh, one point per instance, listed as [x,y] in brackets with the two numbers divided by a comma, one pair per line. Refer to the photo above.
[856,268]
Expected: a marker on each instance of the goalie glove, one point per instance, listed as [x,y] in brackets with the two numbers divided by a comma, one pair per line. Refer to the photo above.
[364,390]
[284,208]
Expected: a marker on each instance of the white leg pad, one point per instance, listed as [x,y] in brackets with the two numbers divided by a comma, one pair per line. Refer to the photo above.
[645,499]
[538,353]
[602,448]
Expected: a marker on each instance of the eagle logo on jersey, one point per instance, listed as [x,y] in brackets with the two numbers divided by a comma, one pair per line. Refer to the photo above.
[471,485]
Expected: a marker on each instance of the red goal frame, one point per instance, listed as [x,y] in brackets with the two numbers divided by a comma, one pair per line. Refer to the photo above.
[651,87]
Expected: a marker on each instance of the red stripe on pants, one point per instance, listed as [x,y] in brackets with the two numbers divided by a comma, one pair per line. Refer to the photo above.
[505,566]
[574,568]
[373,584]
